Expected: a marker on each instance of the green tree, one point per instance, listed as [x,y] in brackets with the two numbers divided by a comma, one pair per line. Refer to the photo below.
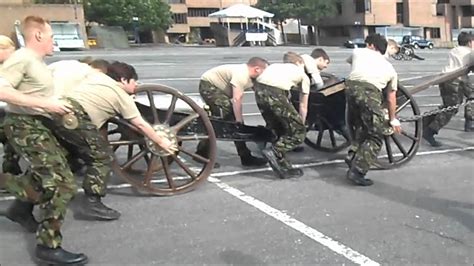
[310,11]
[151,14]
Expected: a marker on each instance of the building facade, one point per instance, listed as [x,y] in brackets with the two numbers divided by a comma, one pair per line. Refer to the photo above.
[438,20]
[191,21]
[16,10]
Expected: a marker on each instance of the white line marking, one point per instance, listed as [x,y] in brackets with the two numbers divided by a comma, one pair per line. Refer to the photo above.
[416,77]
[258,170]
[312,233]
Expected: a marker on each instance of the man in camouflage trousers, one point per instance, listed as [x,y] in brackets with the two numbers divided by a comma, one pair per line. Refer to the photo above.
[10,158]
[27,86]
[453,92]
[271,94]
[370,74]
[222,89]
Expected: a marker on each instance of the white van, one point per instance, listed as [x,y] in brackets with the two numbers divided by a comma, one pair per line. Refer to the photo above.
[67,35]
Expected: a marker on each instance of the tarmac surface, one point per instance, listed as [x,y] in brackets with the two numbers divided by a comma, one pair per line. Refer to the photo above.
[419,213]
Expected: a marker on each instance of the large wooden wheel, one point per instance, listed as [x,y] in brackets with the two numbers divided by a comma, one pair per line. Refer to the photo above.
[398,149]
[143,164]
[326,130]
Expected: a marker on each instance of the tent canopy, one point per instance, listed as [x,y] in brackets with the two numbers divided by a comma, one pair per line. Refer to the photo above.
[241,11]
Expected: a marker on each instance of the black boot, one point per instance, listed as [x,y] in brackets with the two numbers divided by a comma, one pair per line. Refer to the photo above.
[94,209]
[22,212]
[469,126]
[349,158]
[358,178]
[59,256]
[428,135]
[291,173]
[273,160]
[250,160]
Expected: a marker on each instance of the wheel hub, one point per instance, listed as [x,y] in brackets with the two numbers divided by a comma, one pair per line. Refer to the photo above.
[165,132]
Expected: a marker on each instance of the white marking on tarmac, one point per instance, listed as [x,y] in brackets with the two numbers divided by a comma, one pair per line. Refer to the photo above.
[312,233]
[258,170]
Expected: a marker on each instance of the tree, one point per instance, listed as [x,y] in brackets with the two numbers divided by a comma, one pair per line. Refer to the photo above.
[151,14]
[310,11]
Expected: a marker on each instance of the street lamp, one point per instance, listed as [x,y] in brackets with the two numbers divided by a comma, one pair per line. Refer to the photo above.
[136,32]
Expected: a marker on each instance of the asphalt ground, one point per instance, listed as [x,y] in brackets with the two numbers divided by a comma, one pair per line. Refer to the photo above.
[420,213]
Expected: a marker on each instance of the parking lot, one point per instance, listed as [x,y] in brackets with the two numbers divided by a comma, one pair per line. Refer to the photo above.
[420,213]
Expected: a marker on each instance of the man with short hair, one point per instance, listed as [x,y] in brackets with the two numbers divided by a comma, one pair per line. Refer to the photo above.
[370,74]
[222,89]
[453,92]
[27,86]
[314,64]
[272,89]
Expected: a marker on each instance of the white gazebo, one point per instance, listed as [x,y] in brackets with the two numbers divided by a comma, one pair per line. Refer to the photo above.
[246,12]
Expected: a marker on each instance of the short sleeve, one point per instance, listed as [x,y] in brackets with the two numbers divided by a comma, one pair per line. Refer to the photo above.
[14,69]
[126,106]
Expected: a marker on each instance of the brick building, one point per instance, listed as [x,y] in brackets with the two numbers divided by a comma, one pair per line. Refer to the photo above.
[438,20]
[191,17]
[13,10]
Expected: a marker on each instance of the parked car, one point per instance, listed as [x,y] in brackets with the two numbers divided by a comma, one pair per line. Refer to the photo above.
[417,41]
[355,43]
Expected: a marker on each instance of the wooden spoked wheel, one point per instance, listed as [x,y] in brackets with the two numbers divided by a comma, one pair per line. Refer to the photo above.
[147,167]
[326,130]
[398,149]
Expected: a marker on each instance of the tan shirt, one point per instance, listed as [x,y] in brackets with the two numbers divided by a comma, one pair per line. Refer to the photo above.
[103,98]
[68,74]
[312,69]
[225,76]
[458,57]
[26,71]
[285,76]
[372,67]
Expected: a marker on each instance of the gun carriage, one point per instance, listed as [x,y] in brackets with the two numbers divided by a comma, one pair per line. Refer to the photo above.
[148,168]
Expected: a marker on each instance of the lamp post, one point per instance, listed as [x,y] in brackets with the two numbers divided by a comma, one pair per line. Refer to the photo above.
[136,32]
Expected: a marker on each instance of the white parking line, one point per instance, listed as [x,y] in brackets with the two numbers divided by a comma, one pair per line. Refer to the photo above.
[312,233]
[258,170]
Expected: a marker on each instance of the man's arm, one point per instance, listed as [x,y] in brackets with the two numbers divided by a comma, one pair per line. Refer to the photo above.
[10,95]
[237,95]
[303,106]
[146,128]
[318,81]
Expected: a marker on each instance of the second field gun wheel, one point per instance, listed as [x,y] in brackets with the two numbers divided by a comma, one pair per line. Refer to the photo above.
[143,164]
[398,149]
[327,132]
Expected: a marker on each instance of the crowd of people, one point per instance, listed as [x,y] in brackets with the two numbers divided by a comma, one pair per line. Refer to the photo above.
[44,99]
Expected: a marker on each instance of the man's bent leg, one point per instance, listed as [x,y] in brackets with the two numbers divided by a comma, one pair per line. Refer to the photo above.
[38,146]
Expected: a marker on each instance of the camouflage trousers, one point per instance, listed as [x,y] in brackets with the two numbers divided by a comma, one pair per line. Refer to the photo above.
[220,105]
[49,181]
[11,160]
[280,116]
[453,93]
[87,143]
[367,122]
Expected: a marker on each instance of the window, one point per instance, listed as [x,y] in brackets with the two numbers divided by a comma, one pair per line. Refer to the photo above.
[359,6]
[180,18]
[467,11]
[175,1]
[400,13]
[435,33]
[201,12]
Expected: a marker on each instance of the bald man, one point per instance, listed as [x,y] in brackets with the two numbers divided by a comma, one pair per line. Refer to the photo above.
[26,85]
